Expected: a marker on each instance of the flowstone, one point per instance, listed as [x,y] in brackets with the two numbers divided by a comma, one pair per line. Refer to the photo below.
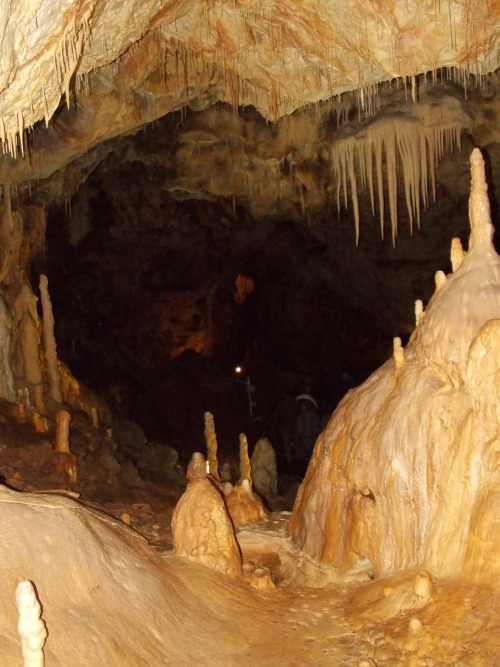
[406,472]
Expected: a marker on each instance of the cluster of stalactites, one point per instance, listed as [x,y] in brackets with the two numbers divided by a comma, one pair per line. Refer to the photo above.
[395,144]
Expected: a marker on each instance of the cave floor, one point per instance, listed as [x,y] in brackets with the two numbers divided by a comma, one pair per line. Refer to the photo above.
[364,622]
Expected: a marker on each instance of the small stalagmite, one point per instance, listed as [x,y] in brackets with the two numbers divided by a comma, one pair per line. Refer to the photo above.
[211,442]
[201,527]
[197,468]
[245,506]
[63,460]
[423,440]
[245,467]
[49,341]
[32,630]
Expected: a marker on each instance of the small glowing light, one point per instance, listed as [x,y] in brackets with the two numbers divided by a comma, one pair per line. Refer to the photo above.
[207,464]
[238,369]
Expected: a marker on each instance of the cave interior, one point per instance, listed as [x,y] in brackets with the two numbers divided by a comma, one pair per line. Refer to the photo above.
[219,220]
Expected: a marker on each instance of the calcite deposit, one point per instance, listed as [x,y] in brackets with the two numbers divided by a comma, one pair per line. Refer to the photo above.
[264,471]
[406,472]
[202,530]
[204,171]
[276,56]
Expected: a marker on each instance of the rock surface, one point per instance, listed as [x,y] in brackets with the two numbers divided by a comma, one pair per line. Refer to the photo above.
[202,529]
[406,472]
[276,58]
[106,596]
[264,471]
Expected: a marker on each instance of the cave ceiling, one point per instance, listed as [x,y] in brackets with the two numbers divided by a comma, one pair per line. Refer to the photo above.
[361,113]
[117,66]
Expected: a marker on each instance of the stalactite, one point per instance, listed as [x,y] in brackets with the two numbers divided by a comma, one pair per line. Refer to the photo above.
[411,144]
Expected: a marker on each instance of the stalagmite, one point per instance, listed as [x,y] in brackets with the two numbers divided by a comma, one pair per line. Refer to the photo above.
[49,341]
[7,390]
[63,420]
[63,460]
[419,311]
[197,468]
[202,529]
[245,466]
[31,628]
[245,506]
[264,471]
[211,442]
[398,353]
[457,254]
[39,400]
[423,446]
[26,323]
[439,279]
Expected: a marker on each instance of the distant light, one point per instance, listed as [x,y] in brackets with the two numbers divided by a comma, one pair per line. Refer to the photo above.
[238,369]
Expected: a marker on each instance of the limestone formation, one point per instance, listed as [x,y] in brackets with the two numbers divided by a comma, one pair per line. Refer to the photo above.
[257,55]
[109,598]
[245,506]
[31,628]
[245,466]
[197,468]
[7,390]
[202,530]
[211,442]
[264,471]
[406,473]
[63,459]
[49,342]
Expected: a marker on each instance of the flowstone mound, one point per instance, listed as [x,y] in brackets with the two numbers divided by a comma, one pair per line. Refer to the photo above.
[108,599]
[406,472]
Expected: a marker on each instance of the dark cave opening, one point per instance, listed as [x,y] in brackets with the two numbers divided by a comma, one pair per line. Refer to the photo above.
[143,287]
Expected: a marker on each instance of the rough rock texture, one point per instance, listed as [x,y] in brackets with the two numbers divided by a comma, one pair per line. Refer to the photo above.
[108,598]
[202,529]
[264,472]
[276,57]
[406,472]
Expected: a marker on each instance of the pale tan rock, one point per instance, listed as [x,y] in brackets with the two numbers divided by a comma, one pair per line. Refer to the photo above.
[202,530]
[245,506]
[423,441]
[262,55]
[258,577]
[197,467]
[108,598]
[264,471]
[32,630]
